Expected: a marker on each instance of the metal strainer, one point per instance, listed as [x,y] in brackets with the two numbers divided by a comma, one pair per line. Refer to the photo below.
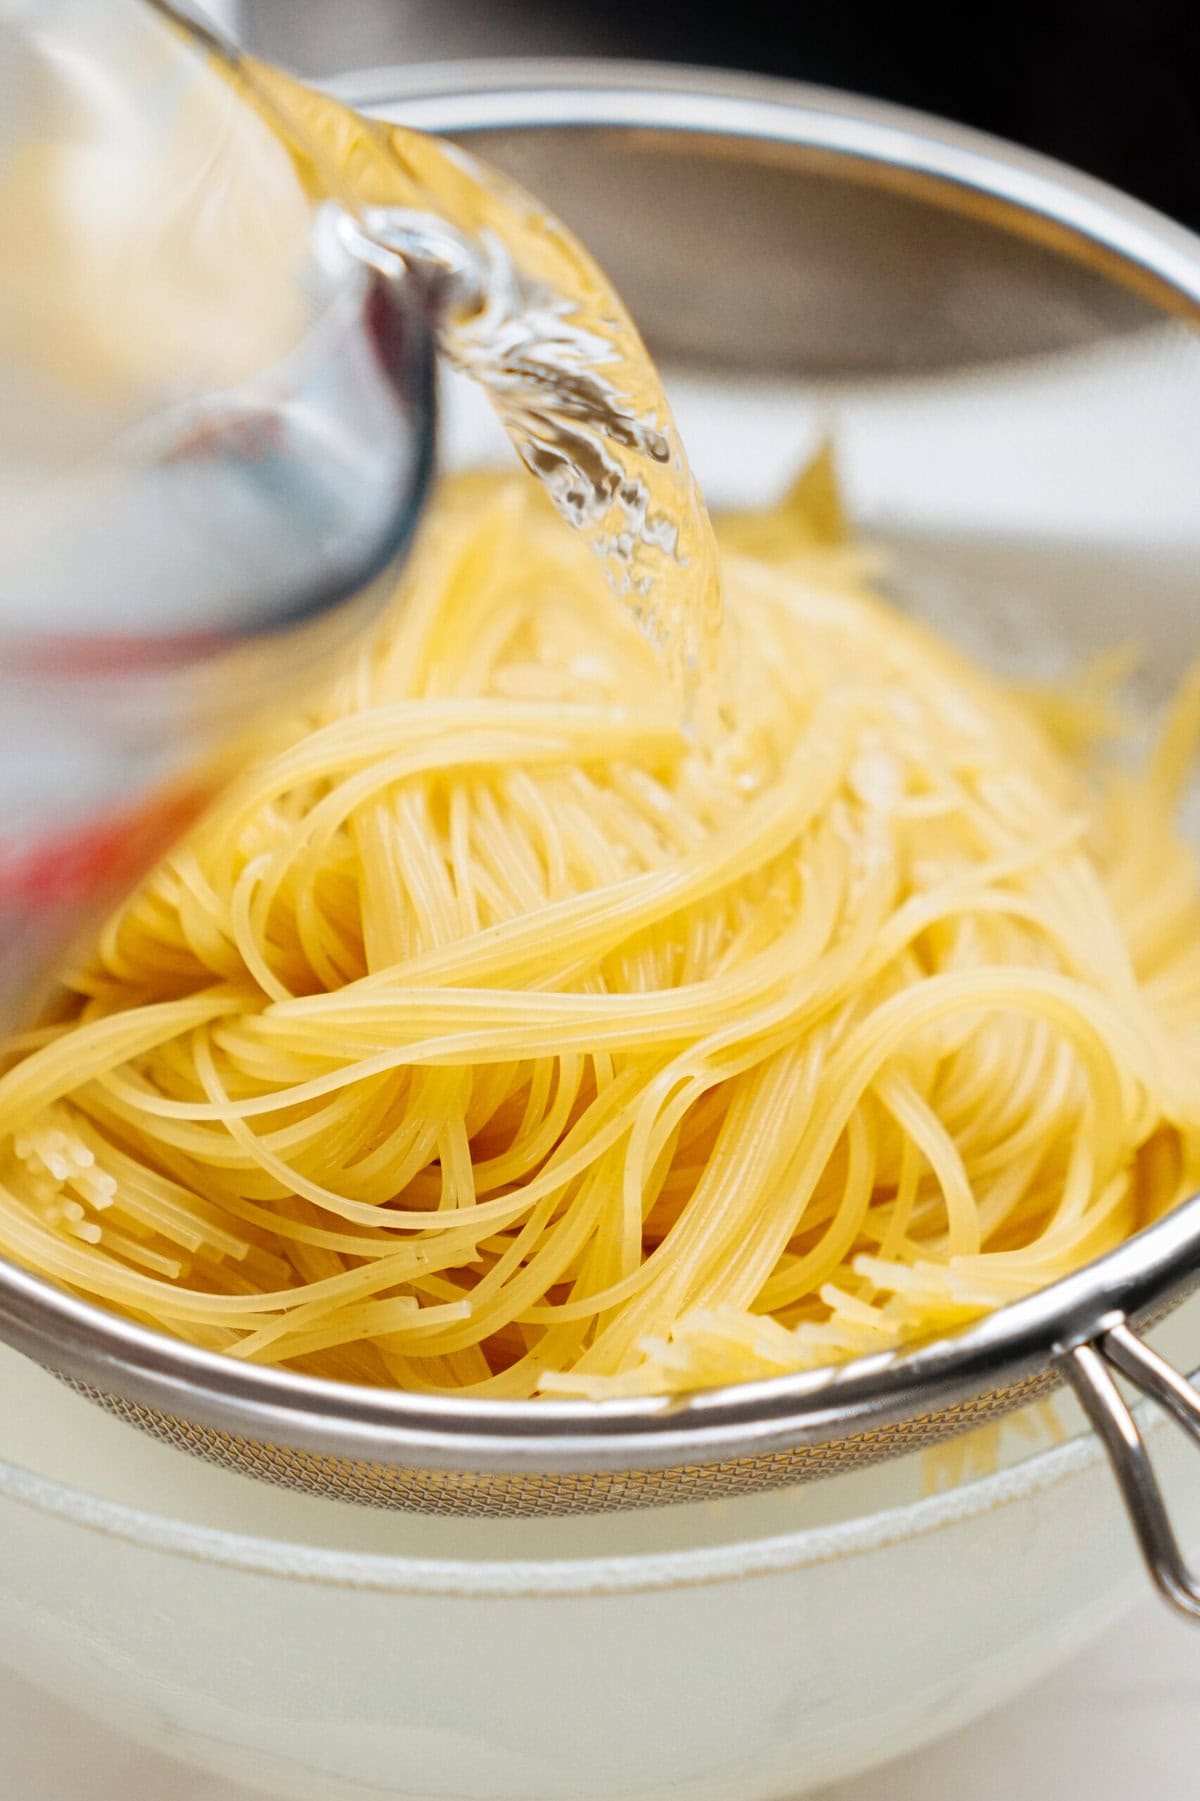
[922,288]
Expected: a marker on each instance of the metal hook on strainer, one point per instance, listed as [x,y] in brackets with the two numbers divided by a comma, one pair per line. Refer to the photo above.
[1089,1369]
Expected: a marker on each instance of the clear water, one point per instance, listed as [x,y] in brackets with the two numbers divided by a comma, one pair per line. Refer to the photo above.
[528,315]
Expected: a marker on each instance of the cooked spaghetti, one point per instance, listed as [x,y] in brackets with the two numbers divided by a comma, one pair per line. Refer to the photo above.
[494,1034]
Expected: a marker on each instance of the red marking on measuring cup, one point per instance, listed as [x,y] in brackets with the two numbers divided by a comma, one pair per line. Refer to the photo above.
[108,654]
[109,852]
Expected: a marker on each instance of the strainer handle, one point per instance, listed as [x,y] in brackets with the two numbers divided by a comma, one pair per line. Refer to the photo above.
[1089,1368]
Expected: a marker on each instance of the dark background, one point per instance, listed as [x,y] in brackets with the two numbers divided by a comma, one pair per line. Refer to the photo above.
[1112,86]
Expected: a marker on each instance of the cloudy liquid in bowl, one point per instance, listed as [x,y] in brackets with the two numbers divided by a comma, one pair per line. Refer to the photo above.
[545,336]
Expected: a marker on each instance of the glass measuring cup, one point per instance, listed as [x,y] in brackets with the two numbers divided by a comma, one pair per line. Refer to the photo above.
[216,427]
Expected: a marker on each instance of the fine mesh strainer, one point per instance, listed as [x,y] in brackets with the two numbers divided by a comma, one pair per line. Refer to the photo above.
[1005,352]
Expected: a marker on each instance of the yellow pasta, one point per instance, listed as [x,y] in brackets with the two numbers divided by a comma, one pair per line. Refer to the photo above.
[496,1034]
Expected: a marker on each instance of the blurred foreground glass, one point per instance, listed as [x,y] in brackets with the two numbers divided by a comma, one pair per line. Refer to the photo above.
[215,434]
